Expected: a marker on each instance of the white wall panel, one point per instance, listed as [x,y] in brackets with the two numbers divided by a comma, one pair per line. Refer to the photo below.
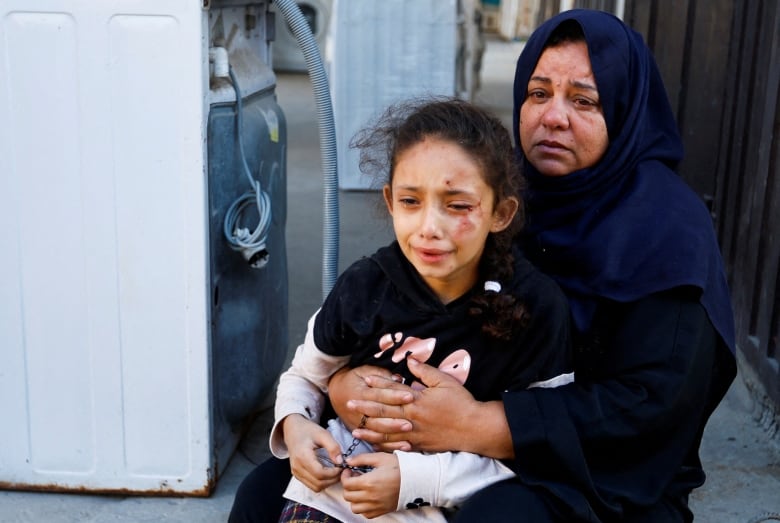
[104,364]
[383,51]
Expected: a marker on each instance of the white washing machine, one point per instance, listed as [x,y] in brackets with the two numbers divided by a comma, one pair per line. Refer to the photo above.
[287,54]
[124,314]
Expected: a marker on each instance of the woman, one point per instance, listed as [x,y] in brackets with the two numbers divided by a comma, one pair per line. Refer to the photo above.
[634,251]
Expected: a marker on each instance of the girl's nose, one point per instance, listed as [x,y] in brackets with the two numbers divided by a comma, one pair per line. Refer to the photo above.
[431,223]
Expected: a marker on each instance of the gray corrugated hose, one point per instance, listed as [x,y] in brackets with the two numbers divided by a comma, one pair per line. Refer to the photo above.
[311,53]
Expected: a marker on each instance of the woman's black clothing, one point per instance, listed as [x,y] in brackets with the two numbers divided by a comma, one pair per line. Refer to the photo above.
[625,436]
[634,249]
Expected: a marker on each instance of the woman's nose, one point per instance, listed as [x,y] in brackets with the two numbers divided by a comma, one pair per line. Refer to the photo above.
[555,115]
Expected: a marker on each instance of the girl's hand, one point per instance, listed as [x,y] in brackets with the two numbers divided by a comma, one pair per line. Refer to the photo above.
[373,493]
[303,437]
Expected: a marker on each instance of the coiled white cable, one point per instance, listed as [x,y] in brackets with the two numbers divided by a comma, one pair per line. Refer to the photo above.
[251,244]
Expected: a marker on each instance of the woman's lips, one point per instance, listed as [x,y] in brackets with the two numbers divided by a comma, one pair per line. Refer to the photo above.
[550,146]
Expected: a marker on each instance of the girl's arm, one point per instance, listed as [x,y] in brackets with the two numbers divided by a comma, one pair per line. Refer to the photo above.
[445,479]
[410,480]
[302,387]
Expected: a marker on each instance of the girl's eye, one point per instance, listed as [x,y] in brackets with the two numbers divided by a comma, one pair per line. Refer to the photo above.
[407,201]
[461,207]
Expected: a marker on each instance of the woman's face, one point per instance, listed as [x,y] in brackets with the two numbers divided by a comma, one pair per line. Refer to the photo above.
[562,127]
[442,213]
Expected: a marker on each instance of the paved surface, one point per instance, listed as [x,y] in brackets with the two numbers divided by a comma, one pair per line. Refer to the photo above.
[740,450]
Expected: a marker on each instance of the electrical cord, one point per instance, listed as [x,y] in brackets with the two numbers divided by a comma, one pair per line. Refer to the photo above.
[251,244]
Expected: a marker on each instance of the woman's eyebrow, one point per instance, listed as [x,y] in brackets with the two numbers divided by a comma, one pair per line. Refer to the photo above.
[576,83]
[542,79]
[584,85]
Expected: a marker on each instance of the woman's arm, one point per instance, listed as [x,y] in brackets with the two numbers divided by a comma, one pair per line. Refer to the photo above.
[657,383]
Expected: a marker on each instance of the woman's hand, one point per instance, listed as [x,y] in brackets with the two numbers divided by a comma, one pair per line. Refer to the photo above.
[373,493]
[444,416]
[350,384]
[303,437]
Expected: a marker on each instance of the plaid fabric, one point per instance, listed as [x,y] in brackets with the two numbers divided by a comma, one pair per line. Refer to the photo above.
[296,513]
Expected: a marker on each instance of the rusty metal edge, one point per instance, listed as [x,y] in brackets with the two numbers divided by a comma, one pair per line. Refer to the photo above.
[163,491]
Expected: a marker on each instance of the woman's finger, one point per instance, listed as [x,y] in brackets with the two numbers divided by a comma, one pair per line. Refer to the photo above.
[385,434]
[387,425]
[386,391]
[394,382]
[374,409]
[350,384]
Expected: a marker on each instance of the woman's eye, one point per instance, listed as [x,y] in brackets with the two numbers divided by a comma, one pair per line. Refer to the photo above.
[536,95]
[585,102]
[407,201]
[461,207]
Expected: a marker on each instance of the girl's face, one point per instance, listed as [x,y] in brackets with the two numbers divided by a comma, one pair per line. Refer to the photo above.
[562,127]
[442,213]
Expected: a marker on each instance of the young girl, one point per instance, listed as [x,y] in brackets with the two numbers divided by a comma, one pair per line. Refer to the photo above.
[449,292]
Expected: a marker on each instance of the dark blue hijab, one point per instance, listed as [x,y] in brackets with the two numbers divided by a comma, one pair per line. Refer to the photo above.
[628,226]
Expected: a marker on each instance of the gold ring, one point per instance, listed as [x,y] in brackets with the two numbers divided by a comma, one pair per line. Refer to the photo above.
[363,421]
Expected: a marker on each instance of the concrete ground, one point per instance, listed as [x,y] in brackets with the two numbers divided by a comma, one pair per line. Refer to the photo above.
[740,450]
